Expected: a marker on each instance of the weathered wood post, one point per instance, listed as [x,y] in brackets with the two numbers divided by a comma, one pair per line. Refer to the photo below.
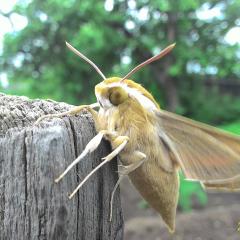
[32,206]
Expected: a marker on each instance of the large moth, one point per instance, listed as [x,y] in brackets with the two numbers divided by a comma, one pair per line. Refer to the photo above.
[153,144]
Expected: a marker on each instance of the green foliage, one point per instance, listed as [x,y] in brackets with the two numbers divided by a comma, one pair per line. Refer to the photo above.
[187,190]
[39,65]
[234,128]
[209,106]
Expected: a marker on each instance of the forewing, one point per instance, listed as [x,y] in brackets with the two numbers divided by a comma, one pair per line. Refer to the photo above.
[203,152]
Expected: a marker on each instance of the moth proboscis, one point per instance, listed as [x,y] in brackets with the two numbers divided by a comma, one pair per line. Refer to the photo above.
[153,144]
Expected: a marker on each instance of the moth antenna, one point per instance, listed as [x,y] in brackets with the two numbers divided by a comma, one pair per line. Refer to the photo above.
[86,59]
[152,59]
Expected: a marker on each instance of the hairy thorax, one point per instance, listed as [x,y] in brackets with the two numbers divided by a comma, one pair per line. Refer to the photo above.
[132,120]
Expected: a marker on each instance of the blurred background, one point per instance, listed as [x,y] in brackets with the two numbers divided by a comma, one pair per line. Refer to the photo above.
[200,79]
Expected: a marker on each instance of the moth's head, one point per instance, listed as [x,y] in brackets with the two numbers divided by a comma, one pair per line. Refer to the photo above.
[115,91]
[111,92]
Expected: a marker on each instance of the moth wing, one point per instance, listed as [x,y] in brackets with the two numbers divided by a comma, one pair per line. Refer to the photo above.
[232,184]
[204,153]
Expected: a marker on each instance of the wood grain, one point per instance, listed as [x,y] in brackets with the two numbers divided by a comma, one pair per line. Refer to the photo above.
[32,206]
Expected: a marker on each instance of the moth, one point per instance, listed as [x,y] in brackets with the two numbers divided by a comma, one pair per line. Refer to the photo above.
[153,144]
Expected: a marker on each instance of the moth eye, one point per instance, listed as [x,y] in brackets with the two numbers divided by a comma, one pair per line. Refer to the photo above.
[117,95]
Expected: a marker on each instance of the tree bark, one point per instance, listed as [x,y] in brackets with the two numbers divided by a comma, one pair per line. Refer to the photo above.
[32,206]
[169,83]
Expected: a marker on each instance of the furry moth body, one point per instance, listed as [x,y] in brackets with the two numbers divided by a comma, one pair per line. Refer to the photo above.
[153,144]
[134,116]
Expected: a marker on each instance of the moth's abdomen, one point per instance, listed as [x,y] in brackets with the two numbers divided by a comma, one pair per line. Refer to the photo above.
[159,188]
[157,178]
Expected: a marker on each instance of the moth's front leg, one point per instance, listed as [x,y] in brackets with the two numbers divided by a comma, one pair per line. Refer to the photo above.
[119,143]
[74,111]
[90,147]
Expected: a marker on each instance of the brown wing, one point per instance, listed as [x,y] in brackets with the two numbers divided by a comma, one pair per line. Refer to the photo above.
[232,184]
[204,153]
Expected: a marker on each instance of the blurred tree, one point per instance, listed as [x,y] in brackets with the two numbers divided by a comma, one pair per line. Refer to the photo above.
[117,35]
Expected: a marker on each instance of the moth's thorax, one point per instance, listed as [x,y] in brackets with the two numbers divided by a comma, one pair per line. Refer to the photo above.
[112,92]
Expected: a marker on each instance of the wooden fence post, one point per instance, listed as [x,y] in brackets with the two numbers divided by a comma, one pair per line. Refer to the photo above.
[32,206]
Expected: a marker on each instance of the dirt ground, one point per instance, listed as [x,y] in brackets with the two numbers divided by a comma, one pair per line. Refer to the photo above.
[218,220]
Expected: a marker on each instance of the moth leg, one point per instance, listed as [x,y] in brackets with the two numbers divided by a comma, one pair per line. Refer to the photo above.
[139,158]
[123,140]
[73,111]
[91,146]
[116,144]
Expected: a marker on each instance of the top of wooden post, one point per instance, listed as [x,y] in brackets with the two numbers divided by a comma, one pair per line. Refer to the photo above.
[32,206]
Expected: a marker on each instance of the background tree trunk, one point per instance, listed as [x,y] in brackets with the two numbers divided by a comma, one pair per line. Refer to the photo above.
[164,79]
[32,206]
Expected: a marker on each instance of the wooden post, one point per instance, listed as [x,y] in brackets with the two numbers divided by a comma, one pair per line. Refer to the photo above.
[32,206]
